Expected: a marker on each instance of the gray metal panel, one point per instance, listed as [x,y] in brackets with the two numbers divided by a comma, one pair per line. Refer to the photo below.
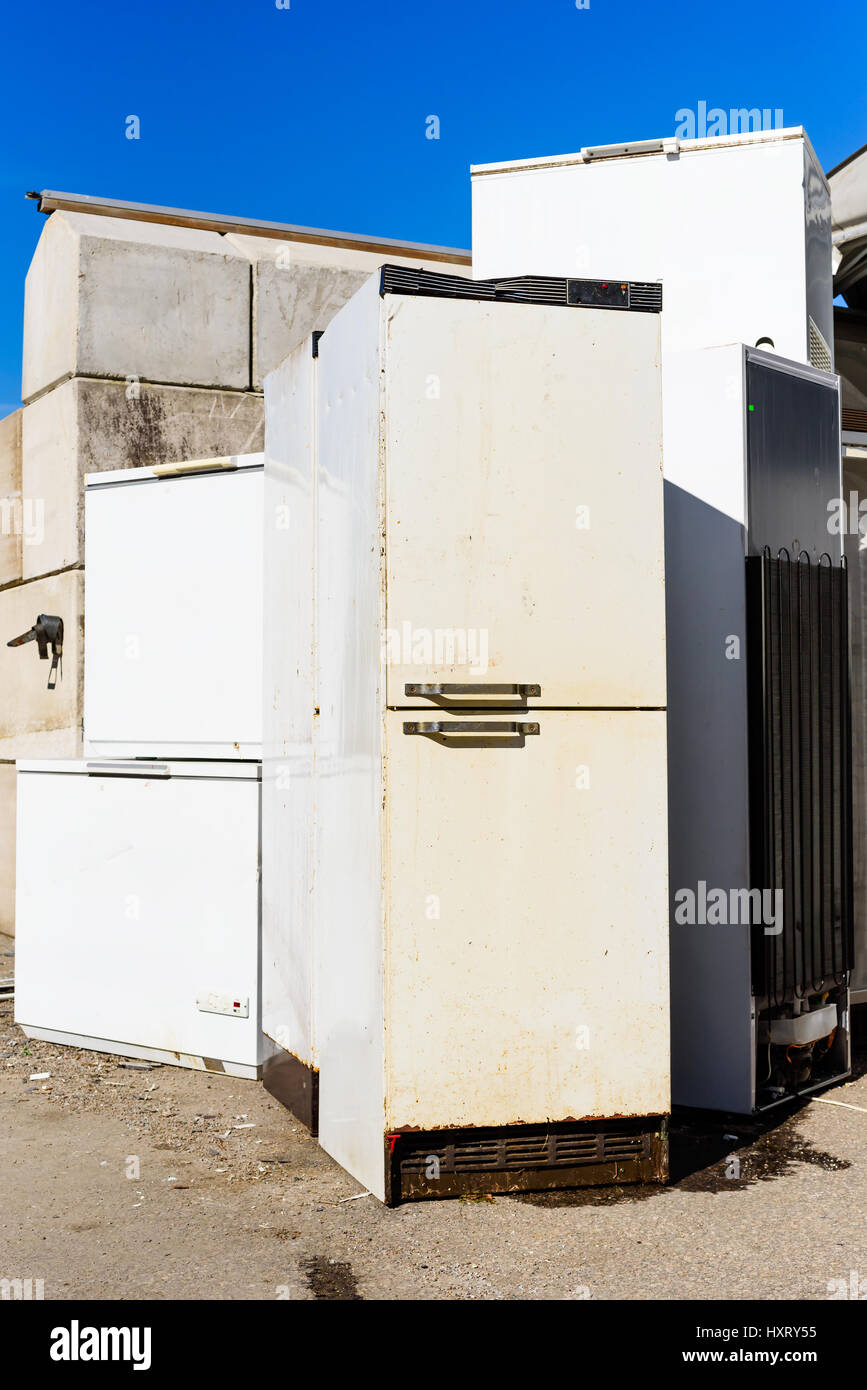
[793,434]
[712,1053]
[855,481]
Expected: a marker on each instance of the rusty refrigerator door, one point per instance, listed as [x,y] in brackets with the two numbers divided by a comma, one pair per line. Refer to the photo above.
[525,947]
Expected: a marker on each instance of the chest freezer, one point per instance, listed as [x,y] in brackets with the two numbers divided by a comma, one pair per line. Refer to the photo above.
[173,610]
[138,910]
[685,211]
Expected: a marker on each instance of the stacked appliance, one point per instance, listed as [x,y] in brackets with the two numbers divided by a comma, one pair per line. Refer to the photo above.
[138,894]
[756,585]
[758,737]
[468,981]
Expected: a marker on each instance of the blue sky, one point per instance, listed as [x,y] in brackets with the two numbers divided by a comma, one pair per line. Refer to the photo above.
[316,113]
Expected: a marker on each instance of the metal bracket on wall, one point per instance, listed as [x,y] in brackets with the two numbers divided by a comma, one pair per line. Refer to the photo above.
[46,632]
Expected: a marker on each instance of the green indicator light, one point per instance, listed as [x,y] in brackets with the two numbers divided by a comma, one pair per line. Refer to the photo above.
[752,407]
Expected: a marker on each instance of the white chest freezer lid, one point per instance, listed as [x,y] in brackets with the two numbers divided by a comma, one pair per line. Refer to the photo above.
[150,767]
[182,468]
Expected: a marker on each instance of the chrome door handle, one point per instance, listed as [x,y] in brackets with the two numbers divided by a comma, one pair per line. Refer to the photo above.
[471,689]
[470,726]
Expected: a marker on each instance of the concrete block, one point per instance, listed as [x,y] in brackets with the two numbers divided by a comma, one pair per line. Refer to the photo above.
[7,855]
[116,298]
[85,426]
[35,721]
[298,288]
[12,519]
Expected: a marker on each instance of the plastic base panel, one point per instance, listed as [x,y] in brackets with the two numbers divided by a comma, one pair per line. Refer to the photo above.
[144,1054]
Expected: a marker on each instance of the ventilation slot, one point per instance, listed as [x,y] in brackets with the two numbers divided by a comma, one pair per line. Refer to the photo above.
[529,1147]
[524,289]
[646,297]
[855,420]
[820,353]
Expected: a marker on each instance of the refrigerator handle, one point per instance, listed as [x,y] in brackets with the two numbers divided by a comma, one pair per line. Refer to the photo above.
[128,769]
[526,691]
[445,728]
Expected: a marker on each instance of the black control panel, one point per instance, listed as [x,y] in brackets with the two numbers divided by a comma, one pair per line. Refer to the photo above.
[603,294]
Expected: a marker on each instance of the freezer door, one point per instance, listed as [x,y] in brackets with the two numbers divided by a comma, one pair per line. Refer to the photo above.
[173,606]
[523,477]
[137,897]
[526,954]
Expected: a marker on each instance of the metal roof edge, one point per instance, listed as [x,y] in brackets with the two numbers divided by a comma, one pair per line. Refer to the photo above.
[50,200]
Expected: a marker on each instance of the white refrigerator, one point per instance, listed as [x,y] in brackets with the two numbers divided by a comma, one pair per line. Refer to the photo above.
[481,948]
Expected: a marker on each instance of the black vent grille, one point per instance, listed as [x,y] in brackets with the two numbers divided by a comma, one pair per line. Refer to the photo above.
[647,297]
[510,1152]
[525,289]
[800,754]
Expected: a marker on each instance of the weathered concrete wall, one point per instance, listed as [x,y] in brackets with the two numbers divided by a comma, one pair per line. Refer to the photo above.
[35,721]
[299,287]
[143,344]
[106,297]
[85,426]
[11,514]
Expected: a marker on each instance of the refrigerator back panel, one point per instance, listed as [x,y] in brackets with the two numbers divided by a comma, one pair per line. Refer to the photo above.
[523,458]
[138,910]
[173,613]
[793,461]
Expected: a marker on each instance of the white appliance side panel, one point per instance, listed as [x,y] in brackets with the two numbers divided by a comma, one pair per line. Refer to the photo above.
[525,521]
[173,617]
[703,413]
[135,898]
[287,763]
[349,871]
[527,943]
[722,227]
[818,251]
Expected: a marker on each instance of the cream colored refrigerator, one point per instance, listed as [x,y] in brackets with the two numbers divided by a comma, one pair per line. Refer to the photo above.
[472,975]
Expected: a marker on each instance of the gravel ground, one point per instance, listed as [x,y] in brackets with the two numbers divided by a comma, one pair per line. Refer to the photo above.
[117,1182]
